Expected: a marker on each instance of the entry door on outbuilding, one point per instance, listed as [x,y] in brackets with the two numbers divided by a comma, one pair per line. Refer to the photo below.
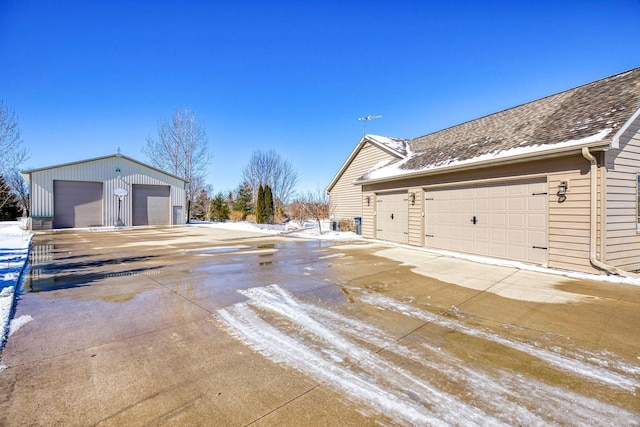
[151,204]
[507,220]
[77,204]
[392,217]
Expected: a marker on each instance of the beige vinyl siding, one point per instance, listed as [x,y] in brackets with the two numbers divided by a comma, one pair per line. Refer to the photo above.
[568,222]
[368,209]
[415,217]
[345,198]
[103,170]
[622,248]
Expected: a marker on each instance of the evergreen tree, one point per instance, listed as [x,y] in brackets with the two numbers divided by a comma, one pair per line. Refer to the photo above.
[9,207]
[200,207]
[268,204]
[230,200]
[260,208]
[219,210]
[242,202]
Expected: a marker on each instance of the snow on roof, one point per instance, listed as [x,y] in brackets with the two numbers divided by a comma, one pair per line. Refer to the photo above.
[398,145]
[399,169]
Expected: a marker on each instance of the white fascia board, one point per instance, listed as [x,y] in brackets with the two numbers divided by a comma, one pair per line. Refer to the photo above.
[346,164]
[615,141]
[354,153]
[536,155]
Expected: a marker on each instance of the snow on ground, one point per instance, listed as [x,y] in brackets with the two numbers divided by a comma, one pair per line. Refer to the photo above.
[343,353]
[242,226]
[308,230]
[14,250]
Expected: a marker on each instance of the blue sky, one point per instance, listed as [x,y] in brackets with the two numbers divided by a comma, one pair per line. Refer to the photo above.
[87,77]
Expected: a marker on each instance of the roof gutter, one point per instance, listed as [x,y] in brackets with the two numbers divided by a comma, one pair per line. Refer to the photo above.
[554,152]
[593,223]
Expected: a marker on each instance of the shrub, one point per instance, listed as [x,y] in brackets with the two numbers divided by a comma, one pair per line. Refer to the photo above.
[279,218]
[347,225]
[236,216]
[251,218]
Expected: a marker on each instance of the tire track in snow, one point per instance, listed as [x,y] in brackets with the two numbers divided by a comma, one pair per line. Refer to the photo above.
[597,372]
[328,347]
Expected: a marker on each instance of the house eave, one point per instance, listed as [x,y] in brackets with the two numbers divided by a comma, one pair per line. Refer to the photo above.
[615,141]
[353,155]
[537,155]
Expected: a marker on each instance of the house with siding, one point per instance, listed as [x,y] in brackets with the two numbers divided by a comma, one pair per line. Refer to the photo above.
[114,190]
[553,182]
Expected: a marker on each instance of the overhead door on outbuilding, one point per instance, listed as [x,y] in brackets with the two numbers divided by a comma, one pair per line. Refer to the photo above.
[77,204]
[151,204]
[392,217]
[507,220]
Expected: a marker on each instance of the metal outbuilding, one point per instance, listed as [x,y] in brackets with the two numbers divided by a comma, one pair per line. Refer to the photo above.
[105,191]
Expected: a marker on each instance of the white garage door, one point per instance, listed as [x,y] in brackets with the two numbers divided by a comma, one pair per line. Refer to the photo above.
[503,221]
[151,204]
[77,204]
[392,217]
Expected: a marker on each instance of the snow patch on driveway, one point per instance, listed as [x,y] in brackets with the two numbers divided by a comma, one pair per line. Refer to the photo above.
[412,386]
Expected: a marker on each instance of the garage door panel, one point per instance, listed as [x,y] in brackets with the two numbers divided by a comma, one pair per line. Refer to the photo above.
[77,204]
[536,203]
[466,205]
[536,238]
[498,220]
[498,204]
[536,220]
[497,191]
[498,251]
[482,205]
[392,217]
[499,236]
[517,220]
[511,218]
[151,204]
[536,256]
[481,191]
[517,237]
[517,203]
[481,248]
[482,219]
[482,234]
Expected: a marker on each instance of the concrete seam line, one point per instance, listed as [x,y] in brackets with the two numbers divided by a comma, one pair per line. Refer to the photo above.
[444,312]
[284,404]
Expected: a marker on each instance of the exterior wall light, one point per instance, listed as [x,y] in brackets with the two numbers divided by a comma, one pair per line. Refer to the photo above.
[412,197]
[562,191]
[368,200]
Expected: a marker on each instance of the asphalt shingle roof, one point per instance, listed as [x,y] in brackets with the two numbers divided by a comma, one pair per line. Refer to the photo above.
[571,115]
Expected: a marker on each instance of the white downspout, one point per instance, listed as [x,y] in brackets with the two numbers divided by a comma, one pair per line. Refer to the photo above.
[593,218]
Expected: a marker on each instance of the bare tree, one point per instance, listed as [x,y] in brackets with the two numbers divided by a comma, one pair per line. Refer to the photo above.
[267,167]
[181,148]
[314,205]
[12,154]
[20,189]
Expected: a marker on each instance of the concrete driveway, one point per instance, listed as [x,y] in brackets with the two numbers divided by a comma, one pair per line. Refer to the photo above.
[198,326]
